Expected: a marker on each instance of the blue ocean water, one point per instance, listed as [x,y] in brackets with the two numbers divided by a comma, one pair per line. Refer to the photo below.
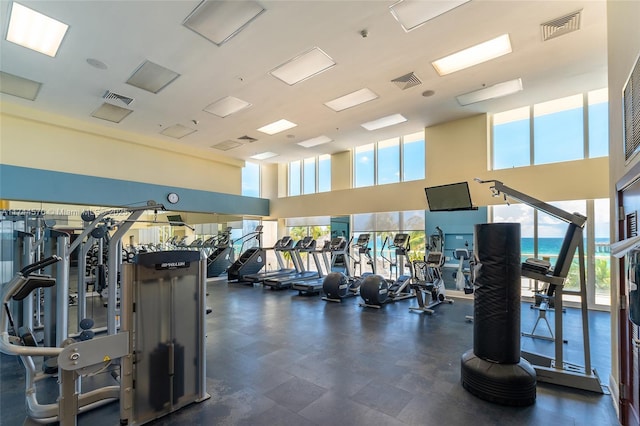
[551,246]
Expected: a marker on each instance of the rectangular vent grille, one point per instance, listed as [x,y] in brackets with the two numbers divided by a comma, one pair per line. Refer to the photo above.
[109,95]
[632,225]
[631,112]
[561,26]
[248,139]
[407,81]
[226,145]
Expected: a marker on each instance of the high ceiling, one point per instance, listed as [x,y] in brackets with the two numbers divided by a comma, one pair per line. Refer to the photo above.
[124,34]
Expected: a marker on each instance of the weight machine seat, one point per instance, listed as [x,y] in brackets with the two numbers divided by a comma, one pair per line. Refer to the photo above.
[31,283]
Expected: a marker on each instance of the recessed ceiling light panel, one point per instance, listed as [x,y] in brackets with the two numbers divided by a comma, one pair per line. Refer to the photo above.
[227,106]
[34,30]
[302,67]
[315,141]
[387,121]
[17,86]
[110,112]
[352,99]
[277,127]
[219,21]
[177,131]
[412,14]
[473,55]
[491,92]
[264,155]
[152,77]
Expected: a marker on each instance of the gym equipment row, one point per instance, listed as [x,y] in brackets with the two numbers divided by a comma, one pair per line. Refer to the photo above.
[168,290]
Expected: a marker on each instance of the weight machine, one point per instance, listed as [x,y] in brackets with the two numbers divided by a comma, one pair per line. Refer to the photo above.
[556,370]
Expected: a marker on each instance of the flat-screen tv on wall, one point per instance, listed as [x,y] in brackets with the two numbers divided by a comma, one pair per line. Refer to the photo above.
[451,197]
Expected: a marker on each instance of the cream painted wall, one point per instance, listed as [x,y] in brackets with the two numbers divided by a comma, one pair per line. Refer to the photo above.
[457,148]
[456,151]
[45,141]
[623,47]
[268,181]
[341,170]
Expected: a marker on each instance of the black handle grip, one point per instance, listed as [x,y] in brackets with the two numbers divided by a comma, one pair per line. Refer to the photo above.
[27,270]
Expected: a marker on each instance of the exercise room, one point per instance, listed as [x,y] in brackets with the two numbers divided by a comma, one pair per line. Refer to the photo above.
[319,213]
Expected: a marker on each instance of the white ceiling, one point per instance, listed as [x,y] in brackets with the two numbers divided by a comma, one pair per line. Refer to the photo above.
[123,34]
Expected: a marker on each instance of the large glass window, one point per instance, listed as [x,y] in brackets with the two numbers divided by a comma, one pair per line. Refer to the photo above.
[251,180]
[364,165]
[511,142]
[392,160]
[389,161]
[324,173]
[382,228]
[413,157]
[294,178]
[598,123]
[309,176]
[558,130]
[602,280]
[542,236]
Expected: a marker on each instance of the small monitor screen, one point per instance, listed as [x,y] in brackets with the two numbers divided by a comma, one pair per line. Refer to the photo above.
[177,219]
[449,197]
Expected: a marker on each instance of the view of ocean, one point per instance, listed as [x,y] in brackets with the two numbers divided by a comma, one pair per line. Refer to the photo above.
[551,246]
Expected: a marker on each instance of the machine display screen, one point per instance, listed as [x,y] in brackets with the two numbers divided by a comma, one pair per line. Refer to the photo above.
[449,197]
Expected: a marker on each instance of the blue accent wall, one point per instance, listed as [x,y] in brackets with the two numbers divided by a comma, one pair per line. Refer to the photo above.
[27,184]
[457,226]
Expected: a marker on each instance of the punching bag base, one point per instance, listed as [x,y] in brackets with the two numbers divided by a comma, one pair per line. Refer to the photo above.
[505,384]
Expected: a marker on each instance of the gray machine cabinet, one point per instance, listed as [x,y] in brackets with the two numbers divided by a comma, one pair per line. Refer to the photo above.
[165,315]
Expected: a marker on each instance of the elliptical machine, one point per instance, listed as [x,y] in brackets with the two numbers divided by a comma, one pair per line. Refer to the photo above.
[427,280]
[375,290]
[339,285]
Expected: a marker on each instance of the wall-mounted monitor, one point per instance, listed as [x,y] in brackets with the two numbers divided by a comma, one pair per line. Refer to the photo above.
[451,197]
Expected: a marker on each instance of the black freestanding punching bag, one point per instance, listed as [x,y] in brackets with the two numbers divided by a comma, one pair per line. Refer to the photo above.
[494,370]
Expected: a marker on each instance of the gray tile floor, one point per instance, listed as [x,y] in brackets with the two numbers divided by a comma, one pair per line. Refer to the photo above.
[277,358]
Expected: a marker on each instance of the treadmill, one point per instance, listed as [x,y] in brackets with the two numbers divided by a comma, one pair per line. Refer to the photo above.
[313,286]
[282,245]
[306,245]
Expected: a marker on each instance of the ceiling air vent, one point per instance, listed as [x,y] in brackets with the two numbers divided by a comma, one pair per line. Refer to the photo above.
[560,26]
[248,139]
[406,81]
[111,96]
[226,145]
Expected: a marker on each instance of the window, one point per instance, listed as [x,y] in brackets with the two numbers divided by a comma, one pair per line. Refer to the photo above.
[598,123]
[558,130]
[324,173]
[310,175]
[294,178]
[413,157]
[602,272]
[542,236]
[251,180]
[511,139]
[393,160]
[383,227]
[364,166]
[388,161]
